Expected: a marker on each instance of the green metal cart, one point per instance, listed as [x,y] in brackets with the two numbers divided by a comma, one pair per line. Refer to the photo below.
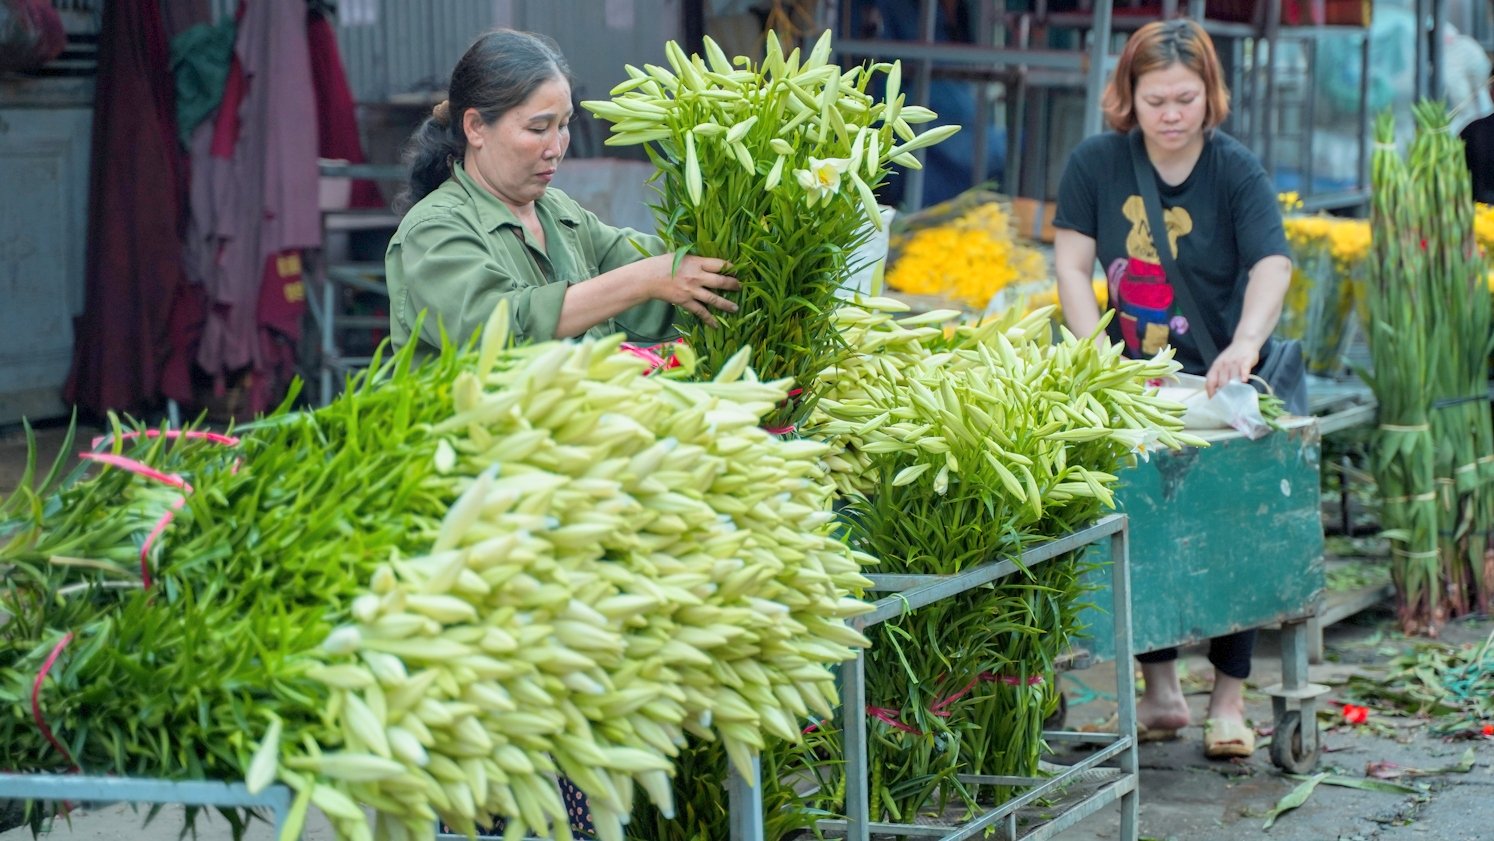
[1223,538]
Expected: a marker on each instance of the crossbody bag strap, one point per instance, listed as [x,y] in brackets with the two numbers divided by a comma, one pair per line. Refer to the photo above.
[1146,181]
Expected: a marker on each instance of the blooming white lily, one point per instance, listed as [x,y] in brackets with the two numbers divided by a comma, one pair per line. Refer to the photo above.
[1139,441]
[822,179]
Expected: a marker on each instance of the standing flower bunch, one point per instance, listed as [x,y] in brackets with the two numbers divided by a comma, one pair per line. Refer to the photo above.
[1430,341]
[775,167]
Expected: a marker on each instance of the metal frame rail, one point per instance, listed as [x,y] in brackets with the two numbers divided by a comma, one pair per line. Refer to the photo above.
[745,797]
[76,788]
[746,800]
[915,591]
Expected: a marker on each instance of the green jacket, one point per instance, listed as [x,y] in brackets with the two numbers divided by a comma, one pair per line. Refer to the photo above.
[460,250]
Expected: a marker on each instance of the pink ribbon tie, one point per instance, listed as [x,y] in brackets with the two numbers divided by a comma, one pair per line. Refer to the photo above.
[190,434]
[36,688]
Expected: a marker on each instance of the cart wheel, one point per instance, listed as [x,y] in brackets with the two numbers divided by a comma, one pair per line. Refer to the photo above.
[1286,745]
[1060,715]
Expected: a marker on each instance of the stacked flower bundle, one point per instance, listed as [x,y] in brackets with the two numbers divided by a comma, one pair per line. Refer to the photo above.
[435,595]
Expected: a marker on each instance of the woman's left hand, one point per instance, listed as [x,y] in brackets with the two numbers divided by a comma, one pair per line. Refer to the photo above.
[1234,364]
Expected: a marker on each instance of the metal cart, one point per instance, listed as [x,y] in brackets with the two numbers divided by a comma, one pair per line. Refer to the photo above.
[1118,783]
[1228,537]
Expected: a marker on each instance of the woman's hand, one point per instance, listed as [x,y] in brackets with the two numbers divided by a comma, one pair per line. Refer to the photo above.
[1267,286]
[693,287]
[1234,364]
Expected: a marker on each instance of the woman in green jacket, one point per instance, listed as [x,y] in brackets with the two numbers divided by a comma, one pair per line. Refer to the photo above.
[484,225]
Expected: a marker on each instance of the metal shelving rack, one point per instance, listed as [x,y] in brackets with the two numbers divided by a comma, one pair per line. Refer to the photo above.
[1266,118]
[1024,69]
[330,282]
[911,592]
[985,61]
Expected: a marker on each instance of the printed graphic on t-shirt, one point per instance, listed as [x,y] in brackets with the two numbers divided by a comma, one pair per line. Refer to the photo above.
[1139,289]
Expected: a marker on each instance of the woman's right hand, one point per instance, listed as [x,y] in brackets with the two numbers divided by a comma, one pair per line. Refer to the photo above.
[693,287]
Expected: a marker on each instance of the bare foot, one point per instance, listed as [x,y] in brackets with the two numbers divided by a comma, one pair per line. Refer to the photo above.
[1227,701]
[1162,713]
[1225,713]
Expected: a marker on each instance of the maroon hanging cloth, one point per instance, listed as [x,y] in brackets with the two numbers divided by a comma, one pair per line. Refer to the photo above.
[134,263]
[336,116]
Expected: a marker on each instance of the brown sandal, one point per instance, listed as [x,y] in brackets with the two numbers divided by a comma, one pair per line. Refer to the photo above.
[1228,739]
[1146,734]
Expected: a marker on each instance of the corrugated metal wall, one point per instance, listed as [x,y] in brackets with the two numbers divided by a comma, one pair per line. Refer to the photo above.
[398,53]
[390,47]
[598,38]
[394,47]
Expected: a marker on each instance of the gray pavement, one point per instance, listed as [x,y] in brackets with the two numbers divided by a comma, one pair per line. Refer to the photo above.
[1186,797]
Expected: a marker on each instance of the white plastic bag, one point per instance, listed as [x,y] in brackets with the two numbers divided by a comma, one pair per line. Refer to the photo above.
[1234,406]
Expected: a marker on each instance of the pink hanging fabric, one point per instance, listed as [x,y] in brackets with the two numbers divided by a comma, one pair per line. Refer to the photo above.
[255,195]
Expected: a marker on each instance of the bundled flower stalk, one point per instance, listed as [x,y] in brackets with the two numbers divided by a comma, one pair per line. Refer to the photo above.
[1430,342]
[773,167]
[962,447]
[435,595]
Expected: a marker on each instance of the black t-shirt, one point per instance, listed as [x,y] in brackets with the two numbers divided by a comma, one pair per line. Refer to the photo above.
[1221,221]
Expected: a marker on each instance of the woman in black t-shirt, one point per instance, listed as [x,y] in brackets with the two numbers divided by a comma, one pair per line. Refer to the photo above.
[1225,233]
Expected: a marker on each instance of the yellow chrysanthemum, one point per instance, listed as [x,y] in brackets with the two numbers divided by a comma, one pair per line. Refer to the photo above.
[1351,242]
[968,259]
[1348,240]
[1483,228]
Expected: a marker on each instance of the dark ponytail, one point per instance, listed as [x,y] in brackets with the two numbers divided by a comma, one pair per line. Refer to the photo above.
[498,72]
[428,154]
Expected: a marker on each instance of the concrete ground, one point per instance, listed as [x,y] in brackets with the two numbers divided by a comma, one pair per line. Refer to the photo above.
[1186,797]
[1183,796]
